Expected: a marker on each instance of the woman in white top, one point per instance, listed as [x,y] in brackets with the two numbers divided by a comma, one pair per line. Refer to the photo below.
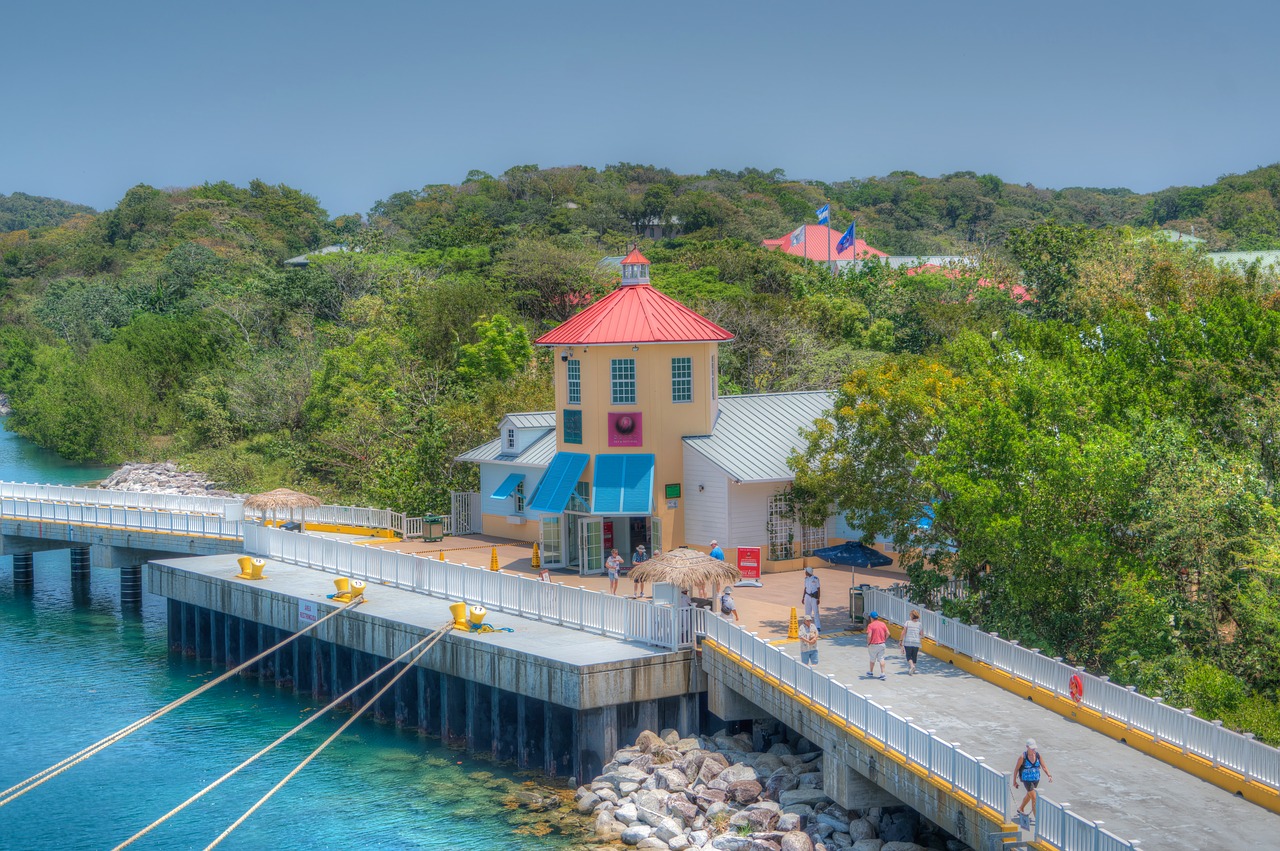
[911,640]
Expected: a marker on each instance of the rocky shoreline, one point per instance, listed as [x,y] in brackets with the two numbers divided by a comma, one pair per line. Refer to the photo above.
[673,793]
[163,477]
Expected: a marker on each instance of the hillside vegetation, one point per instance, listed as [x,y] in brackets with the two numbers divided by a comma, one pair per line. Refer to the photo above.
[1100,458]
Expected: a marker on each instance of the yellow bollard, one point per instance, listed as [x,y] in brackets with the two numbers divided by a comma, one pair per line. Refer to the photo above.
[246,565]
[343,584]
[459,612]
[537,557]
[476,615]
[493,559]
[793,628]
[255,568]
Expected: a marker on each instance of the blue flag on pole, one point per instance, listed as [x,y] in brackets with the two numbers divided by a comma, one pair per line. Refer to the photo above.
[797,236]
[848,239]
[824,214]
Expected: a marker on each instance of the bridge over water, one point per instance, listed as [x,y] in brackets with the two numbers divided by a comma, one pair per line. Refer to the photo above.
[1129,772]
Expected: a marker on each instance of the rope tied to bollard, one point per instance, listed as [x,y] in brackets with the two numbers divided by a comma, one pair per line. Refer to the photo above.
[40,778]
[432,638]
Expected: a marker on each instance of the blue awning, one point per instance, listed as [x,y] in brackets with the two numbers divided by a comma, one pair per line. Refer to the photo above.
[622,484]
[509,484]
[557,483]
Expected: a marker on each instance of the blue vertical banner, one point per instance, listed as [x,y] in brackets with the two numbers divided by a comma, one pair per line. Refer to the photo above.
[849,238]
[824,214]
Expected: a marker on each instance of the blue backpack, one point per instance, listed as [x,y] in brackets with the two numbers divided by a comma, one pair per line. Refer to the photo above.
[1030,770]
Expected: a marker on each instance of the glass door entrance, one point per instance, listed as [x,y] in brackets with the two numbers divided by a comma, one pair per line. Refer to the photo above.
[591,546]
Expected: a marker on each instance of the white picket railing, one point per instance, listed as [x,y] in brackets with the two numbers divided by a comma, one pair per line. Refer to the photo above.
[1055,825]
[514,594]
[1240,753]
[166,522]
[338,515]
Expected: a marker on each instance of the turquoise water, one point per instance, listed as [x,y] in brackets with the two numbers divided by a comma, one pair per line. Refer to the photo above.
[74,669]
[23,461]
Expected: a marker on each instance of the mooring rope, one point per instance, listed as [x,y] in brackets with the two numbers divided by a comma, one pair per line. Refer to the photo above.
[354,716]
[19,789]
[433,637]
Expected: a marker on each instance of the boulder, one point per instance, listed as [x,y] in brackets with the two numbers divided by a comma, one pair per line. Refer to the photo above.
[802,796]
[707,797]
[647,741]
[868,845]
[716,809]
[744,791]
[758,844]
[606,793]
[652,843]
[698,838]
[643,762]
[762,820]
[678,843]
[730,843]
[901,846]
[624,756]
[671,779]
[709,770]
[667,828]
[627,813]
[779,783]
[607,826]
[899,827]
[633,834]
[669,736]
[796,840]
[684,810]
[788,822]
[837,824]
[738,772]
[628,788]
[587,803]
[624,774]
[809,780]
[688,744]
[717,784]
[860,829]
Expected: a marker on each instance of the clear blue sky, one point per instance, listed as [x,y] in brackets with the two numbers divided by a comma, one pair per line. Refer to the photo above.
[354,101]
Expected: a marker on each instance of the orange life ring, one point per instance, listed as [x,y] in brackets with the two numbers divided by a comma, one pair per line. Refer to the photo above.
[1077,688]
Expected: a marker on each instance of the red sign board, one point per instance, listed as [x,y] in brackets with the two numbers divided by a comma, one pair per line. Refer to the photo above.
[607,534]
[626,429]
[749,562]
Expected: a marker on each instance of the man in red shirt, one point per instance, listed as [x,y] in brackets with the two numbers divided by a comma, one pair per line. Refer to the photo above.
[877,635]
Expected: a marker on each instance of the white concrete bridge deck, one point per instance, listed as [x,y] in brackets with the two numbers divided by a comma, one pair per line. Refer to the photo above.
[1134,795]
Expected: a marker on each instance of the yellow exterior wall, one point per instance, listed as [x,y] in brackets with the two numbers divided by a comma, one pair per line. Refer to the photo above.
[663,424]
[497,525]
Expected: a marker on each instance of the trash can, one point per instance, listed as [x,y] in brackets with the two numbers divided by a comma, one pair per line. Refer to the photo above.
[433,527]
[857,607]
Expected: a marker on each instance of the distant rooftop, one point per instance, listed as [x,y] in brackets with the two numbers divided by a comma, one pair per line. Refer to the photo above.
[303,260]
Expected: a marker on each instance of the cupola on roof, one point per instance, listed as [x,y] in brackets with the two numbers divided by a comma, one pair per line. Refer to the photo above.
[635,313]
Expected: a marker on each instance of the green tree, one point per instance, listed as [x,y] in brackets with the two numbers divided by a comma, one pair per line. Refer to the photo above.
[501,351]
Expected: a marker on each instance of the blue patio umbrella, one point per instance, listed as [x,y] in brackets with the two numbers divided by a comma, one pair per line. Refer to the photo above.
[853,554]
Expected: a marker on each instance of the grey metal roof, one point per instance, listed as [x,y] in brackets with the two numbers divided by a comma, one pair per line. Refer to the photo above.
[754,435]
[538,454]
[1244,258]
[536,419]
[303,260]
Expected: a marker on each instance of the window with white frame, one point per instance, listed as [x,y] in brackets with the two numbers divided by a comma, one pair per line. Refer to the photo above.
[518,493]
[781,534]
[622,374]
[812,538]
[574,383]
[580,500]
[682,379]
[511,438]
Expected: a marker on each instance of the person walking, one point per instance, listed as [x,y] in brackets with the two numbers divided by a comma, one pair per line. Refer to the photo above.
[812,596]
[613,564]
[1027,769]
[877,636]
[808,641]
[911,640]
[716,552]
[638,558]
[727,606]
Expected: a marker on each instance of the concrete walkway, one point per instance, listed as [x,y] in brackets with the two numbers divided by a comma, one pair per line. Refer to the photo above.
[1135,796]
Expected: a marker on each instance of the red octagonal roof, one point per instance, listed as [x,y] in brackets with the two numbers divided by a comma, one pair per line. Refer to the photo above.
[635,314]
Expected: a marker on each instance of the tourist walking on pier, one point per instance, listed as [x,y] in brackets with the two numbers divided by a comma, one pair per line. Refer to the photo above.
[1030,764]
[727,606]
[638,558]
[613,564]
[808,641]
[911,640]
[812,596]
[877,635]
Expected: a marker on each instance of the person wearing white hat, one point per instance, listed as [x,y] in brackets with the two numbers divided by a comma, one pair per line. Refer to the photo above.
[1027,769]
[812,595]
[808,641]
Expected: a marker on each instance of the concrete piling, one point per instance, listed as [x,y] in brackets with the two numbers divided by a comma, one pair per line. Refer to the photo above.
[131,586]
[80,565]
[24,573]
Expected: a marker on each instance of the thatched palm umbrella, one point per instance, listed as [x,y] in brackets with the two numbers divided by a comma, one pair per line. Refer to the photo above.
[281,498]
[686,569]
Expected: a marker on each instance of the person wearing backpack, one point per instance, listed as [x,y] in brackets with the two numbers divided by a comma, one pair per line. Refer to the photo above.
[1030,764]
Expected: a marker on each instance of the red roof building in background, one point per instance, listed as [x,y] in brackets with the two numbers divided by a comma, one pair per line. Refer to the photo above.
[635,313]
[818,243]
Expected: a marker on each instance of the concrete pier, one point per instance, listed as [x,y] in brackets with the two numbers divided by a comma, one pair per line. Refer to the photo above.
[24,573]
[543,697]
